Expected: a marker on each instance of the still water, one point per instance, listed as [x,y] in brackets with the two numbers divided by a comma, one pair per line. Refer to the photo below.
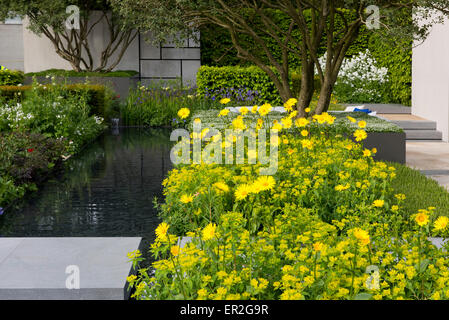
[105,191]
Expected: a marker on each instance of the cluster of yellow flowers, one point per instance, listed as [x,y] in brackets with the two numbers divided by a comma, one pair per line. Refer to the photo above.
[315,230]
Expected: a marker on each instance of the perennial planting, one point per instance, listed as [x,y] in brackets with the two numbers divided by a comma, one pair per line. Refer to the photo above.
[326,225]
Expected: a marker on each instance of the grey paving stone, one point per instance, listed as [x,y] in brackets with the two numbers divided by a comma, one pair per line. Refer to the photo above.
[36,267]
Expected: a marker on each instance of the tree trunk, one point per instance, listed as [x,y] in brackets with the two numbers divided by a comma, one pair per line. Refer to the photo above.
[325,95]
[307,88]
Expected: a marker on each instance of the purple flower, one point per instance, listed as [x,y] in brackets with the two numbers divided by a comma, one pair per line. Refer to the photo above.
[1,211]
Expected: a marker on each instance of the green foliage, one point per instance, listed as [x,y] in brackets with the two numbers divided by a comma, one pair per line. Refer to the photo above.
[96,95]
[26,159]
[11,77]
[73,73]
[158,107]
[398,60]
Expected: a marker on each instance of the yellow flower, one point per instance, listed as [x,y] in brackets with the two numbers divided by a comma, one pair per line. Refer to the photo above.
[304,133]
[186,198]
[209,231]
[265,109]
[223,112]
[244,110]
[242,192]
[183,113]
[351,119]
[422,219]
[307,109]
[317,246]
[265,182]
[378,203]
[288,105]
[287,123]
[360,135]
[301,122]
[362,236]
[175,250]
[254,109]
[366,153]
[161,230]
[238,123]
[441,223]
[225,100]
[131,278]
[362,124]
[221,186]
[308,144]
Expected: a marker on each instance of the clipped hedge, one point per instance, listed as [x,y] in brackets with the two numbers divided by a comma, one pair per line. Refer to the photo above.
[11,77]
[212,80]
[96,94]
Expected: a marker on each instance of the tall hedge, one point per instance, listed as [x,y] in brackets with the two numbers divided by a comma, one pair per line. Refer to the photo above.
[216,82]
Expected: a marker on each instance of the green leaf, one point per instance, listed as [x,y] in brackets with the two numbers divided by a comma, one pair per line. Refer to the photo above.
[363,296]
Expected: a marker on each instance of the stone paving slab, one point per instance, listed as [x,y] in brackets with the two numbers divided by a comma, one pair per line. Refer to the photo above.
[35,268]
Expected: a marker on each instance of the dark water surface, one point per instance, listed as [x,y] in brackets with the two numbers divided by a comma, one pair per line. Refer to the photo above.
[105,191]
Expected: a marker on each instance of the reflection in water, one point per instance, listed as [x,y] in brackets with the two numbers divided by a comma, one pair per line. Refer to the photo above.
[106,191]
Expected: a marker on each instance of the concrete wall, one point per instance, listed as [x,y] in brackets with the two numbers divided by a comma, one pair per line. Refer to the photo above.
[11,46]
[155,63]
[169,62]
[430,78]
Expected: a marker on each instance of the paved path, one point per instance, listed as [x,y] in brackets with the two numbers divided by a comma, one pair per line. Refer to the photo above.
[432,158]
[48,268]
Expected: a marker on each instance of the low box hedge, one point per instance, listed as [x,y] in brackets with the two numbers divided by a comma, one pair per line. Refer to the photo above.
[11,77]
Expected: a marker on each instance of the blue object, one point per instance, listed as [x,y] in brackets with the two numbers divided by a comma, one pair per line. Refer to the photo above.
[362,110]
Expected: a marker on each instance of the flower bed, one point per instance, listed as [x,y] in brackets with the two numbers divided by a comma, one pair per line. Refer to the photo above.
[326,225]
[38,132]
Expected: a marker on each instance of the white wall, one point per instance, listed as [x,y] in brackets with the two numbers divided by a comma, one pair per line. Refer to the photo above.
[11,46]
[430,78]
[156,63]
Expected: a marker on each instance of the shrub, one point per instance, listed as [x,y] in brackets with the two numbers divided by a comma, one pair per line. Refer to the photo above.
[313,230]
[26,159]
[11,77]
[73,73]
[54,112]
[360,80]
[95,94]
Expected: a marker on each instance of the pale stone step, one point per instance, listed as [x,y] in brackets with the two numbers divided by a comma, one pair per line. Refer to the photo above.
[423,135]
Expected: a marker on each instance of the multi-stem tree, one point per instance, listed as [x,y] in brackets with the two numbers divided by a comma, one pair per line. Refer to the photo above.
[311,23]
[48,17]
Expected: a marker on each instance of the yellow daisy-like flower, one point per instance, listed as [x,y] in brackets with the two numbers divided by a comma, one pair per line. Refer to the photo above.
[301,122]
[307,144]
[307,110]
[422,219]
[221,186]
[317,246]
[225,100]
[238,123]
[265,182]
[441,223]
[378,203]
[288,105]
[242,192]
[186,198]
[366,153]
[360,135]
[304,133]
[223,112]
[351,119]
[131,278]
[362,124]
[175,250]
[254,109]
[287,123]
[265,109]
[244,110]
[209,231]
[362,236]
[161,230]
[183,113]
